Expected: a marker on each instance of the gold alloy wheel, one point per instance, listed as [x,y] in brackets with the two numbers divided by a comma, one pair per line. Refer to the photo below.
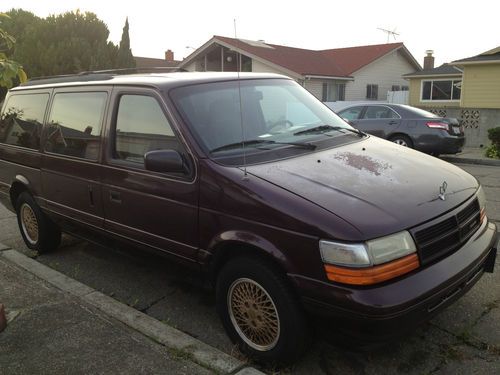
[29,223]
[253,314]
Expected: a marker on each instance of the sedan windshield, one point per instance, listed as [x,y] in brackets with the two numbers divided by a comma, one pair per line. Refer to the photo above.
[228,117]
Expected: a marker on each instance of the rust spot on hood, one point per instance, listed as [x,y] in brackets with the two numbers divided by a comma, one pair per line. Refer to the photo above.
[363,162]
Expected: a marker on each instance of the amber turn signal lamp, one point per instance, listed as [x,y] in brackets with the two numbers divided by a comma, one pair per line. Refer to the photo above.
[483,215]
[372,275]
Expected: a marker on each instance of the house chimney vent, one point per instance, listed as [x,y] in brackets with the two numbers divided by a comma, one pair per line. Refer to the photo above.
[429,60]
[169,55]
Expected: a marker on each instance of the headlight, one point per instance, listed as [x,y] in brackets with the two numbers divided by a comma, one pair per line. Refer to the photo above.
[373,252]
[344,254]
[385,249]
[370,262]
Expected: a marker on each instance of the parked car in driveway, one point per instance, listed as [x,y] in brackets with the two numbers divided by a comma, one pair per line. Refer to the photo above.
[407,126]
[252,182]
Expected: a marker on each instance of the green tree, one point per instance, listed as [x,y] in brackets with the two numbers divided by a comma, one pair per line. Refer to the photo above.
[61,44]
[125,58]
[9,69]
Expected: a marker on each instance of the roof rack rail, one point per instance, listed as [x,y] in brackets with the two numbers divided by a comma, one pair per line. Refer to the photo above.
[97,75]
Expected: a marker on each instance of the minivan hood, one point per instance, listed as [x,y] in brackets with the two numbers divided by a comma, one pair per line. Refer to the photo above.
[375,185]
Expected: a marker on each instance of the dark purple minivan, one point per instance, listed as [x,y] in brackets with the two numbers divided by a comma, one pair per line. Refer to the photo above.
[248,178]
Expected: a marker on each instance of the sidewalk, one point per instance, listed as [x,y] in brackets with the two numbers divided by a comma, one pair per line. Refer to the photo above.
[77,330]
[471,155]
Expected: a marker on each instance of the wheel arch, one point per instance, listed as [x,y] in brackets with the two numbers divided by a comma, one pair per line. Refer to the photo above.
[19,185]
[231,244]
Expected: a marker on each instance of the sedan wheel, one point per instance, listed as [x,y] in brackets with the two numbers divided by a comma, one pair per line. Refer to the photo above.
[402,140]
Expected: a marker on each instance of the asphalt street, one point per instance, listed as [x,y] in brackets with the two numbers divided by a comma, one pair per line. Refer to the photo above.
[465,338]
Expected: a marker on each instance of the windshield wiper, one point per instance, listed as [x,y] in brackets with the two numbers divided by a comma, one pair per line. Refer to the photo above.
[254,142]
[326,128]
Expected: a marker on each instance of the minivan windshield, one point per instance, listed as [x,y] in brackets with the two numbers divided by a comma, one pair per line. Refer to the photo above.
[258,115]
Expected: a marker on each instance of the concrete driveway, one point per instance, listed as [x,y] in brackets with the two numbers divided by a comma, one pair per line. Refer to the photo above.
[464,339]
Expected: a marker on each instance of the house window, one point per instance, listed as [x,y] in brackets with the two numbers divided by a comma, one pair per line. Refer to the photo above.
[395,88]
[372,92]
[341,91]
[404,88]
[441,90]
[332,92]
[324,92]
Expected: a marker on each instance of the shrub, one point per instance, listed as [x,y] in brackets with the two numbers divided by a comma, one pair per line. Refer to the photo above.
[494,136]
[493,151]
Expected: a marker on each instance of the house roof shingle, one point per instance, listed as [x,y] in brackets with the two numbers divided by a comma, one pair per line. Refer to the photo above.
[339,62]
[491,55]
[298,60]
[148,62]
[443,70]
[352,59]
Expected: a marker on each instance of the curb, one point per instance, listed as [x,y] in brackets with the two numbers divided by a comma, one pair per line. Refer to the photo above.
[170,337]
[454,159]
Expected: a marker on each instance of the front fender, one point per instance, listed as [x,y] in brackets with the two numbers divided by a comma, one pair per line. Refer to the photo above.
[234,240]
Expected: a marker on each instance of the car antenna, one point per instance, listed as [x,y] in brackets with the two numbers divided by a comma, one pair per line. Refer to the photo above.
[238,67]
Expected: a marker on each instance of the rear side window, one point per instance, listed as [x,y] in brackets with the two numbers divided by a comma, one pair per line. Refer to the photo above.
[75,123]
[141,126]
[21,122]
[379,112]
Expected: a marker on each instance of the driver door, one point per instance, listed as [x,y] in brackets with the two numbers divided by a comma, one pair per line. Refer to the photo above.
[156,209]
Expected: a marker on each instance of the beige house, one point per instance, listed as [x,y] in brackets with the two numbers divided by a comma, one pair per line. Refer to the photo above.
[481,80]
[438,88]
[341,74]
[468,89]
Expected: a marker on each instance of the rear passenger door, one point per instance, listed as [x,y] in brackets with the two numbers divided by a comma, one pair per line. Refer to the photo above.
[156,209]
[379,120]
[71,168]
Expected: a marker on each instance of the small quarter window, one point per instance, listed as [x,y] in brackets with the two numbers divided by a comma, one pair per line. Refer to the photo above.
[351,113]
[75,124]
[141,126]
[21,122]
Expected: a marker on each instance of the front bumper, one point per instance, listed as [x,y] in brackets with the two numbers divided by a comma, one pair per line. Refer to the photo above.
[381,312]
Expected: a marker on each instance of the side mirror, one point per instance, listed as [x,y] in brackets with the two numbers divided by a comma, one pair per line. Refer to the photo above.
[164,161]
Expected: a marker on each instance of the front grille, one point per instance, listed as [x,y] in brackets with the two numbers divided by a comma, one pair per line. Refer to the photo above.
[444,238]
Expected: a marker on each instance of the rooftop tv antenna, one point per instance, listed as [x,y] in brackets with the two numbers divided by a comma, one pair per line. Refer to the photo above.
[389,33]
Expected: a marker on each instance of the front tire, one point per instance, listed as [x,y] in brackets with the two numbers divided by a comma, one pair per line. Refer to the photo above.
[38,231]
[259,311]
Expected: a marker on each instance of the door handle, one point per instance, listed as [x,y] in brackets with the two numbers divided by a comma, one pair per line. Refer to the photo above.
[393,122]
[91,196]
[115,197]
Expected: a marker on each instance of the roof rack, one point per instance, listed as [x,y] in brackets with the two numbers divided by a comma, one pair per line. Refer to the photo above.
[97,75]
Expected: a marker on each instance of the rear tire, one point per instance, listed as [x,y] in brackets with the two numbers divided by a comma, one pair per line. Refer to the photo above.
[402,140]
[38,231]
[259,311]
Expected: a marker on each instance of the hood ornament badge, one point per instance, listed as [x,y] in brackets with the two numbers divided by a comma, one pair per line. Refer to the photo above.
[442,191]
